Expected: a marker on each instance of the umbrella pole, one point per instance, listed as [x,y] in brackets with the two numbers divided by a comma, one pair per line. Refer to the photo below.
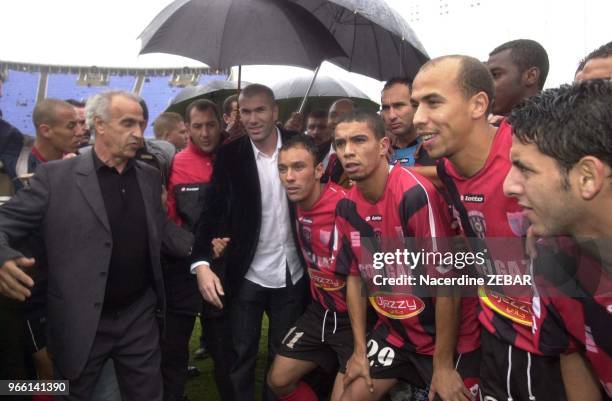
[314,78]
[239,78]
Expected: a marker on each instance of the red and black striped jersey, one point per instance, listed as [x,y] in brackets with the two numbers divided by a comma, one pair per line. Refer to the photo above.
[410,211]
[573,306]
[315,229]
[488,215]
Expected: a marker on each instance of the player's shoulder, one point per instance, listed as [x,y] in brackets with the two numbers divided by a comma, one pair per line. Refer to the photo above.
[404,179]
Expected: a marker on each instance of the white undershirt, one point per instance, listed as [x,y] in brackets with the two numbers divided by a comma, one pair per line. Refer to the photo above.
[275,248]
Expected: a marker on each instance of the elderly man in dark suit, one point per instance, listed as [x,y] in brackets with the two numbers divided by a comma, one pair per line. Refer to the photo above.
[262,271]
[102,222]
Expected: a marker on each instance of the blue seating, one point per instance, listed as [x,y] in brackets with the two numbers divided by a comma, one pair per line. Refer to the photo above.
[20,91]
[18,99]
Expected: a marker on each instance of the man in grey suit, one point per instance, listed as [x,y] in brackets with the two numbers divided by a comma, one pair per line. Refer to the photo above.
[102,221]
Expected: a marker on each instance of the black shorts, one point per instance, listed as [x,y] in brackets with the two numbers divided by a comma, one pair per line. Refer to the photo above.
[509,372]
[320,336]
[390,362]
[36,331]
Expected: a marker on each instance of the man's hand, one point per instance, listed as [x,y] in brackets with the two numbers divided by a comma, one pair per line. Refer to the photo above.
[209,285]
[447,383]
[356,367]
[295,122]
[218,246]
[14,282]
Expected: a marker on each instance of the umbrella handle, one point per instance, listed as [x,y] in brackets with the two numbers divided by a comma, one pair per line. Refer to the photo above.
[314,78]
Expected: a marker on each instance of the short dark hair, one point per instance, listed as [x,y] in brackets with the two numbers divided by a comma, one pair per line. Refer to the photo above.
[202,105]
[372,119]
[76,103]
[569,122]
[604,51]
[526,53]
[227,104]
[318,113]
[258,89]
[398,80]
[304,142]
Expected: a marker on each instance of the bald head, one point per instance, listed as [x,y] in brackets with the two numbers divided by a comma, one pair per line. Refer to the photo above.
[338,109]
[57,132]
[469,74]
[48,111]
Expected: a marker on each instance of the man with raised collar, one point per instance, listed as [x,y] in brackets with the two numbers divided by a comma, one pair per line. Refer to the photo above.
[262,271]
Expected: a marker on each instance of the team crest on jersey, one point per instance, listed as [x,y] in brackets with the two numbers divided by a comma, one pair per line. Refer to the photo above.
[324,237]
[473,198]
[518,223]
[514,309]
[397,306]
[478,223]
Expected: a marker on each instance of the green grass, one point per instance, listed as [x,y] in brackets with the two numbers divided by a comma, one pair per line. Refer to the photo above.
[203,388]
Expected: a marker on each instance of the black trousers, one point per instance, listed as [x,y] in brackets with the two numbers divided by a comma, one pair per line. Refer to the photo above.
[131,339]
[283,306]
[175,354]
[217,334]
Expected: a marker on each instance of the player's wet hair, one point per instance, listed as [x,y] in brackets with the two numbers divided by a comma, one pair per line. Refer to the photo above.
[569,122]
[372,119]
[304,142]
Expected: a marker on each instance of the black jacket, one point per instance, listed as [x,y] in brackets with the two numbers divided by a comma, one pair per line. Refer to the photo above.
[233,209]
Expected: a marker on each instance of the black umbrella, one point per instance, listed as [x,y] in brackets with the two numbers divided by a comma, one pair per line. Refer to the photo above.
[216,91]
[378,42]
[324,92]
[225,33]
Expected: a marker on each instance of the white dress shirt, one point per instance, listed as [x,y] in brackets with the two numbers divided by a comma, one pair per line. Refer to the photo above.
[276,249]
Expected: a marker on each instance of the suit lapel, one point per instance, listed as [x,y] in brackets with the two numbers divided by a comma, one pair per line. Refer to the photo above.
[87,181]
[147,195]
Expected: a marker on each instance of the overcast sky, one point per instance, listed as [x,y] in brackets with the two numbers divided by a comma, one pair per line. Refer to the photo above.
[104,33]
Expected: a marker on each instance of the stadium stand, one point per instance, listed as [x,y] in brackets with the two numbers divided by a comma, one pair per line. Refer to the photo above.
[19,98]
[156,86]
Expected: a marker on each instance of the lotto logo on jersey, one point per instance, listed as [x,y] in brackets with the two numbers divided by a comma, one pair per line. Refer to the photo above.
[397,306]
[375,217]
[305,220]
[325,281]
[473,198]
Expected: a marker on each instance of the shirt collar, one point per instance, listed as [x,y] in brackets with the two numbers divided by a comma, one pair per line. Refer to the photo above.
[258,153]
[99,164]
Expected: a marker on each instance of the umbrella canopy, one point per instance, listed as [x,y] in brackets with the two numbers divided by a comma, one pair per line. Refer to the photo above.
[378,42]
[215,90]
[225,33]
[324,92]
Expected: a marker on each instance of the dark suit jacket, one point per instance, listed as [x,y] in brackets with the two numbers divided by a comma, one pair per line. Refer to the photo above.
[233,209]
[64,202]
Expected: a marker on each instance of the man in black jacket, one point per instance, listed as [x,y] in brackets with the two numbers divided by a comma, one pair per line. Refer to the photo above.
[262,271]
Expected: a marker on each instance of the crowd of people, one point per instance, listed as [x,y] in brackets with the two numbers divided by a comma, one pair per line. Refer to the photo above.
[113,245]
